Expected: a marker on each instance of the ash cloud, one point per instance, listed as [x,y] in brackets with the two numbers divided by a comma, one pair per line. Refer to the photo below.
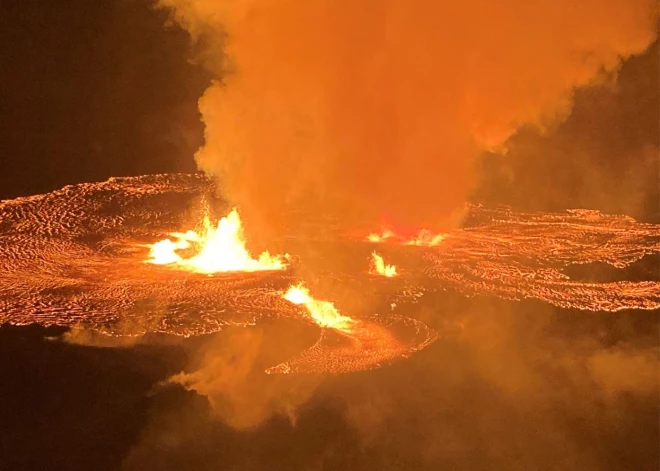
[378,108]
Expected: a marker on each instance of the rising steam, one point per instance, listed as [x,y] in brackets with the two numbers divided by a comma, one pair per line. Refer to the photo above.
[377,107]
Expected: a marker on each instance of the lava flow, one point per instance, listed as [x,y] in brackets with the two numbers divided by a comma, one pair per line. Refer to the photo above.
[74,257]
[347,344]
[379,267]
[218,249]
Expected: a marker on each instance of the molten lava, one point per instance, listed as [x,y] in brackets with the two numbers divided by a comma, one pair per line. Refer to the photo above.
[424,238]
[362,344]
[379,267]
[216,249]
[324,313]
[386,234]
[427,239]
[69,258]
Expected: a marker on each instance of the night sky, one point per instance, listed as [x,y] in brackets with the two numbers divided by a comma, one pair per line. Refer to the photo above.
[94,89]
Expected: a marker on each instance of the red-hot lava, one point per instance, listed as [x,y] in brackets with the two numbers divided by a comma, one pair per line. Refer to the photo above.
[324,313]
[348,344]
[379,267]
[76,257]
[216,249]
[424,237]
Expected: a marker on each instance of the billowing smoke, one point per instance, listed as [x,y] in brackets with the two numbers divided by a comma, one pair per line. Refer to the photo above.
[376,108]
[520,384]
[229,371]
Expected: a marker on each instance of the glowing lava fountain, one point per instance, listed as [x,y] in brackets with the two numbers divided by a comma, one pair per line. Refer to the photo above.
[379,267]
[324,313]
[424,238]
[216,249]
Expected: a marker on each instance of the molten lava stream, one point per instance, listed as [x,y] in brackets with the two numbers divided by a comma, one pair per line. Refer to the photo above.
[216,249]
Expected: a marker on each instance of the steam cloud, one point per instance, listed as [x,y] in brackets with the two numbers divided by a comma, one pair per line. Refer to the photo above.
[231,375]
[518,385]
[376,108]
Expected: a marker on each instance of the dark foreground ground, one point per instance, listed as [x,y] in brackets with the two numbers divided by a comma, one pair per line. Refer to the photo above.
[507,386]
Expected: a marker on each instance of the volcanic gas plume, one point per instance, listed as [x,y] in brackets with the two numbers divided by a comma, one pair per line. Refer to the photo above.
[375,108]
[379,267]
[217,249]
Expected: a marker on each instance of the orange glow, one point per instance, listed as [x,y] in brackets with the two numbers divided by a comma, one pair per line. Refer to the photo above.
[427,238]
[386,234]
[379,267]
[216,249]
[424,238]
[324,313]
[355,109]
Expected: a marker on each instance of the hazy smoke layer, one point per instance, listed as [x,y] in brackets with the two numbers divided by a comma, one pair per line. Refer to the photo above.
[230,372]
[376,108]
[520,386]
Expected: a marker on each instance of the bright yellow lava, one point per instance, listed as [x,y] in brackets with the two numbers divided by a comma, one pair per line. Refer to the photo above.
[427,238]
[215,249]
[424,238]
[324,313]
[379,267]
[386,234]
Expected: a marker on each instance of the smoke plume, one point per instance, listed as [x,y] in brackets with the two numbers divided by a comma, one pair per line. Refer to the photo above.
[229,371]
[376,108]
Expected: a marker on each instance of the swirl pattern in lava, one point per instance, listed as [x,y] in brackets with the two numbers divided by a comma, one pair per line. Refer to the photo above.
[75,257]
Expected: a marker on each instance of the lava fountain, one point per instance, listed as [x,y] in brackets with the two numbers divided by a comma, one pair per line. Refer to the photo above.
[75,257]
[324,313]
[424,238]
[379,267]
[216,249]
